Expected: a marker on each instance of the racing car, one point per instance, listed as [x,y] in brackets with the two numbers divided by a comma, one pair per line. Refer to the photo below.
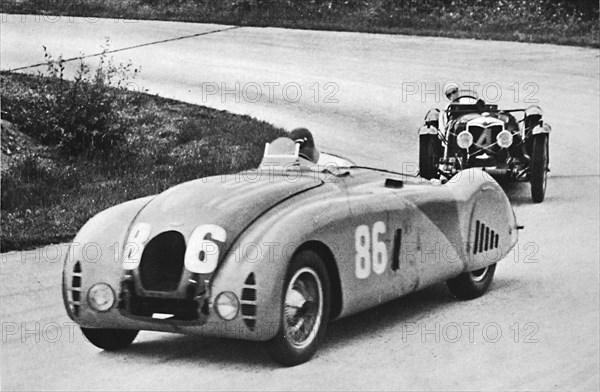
[275,253]
[477,134]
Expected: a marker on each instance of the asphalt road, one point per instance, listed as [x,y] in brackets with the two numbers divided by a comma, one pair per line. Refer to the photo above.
[363,96]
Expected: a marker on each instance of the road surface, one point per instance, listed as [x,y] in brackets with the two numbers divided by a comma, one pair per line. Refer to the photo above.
[362,95]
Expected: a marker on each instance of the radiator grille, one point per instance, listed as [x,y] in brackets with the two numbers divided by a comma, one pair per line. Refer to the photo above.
[162,262]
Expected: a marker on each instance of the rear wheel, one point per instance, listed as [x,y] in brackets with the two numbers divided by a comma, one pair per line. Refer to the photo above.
[110,339]
[539,167]
[429,147]
[305,311]
[472,284]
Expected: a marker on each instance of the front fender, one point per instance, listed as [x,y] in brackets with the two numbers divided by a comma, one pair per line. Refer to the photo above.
[428,130]
[541,128]
[96,255]
[263,252]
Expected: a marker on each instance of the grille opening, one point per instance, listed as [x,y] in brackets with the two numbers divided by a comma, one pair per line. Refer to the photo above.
[248,310]
[248,294]
[397,247]
[162,262]
[250,280]
[76,289]
[485,238]
[249,302]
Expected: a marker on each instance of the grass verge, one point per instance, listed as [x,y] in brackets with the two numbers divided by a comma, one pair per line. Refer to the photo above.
[566,22]
[47,195]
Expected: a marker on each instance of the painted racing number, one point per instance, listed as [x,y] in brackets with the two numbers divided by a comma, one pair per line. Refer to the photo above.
[371,254]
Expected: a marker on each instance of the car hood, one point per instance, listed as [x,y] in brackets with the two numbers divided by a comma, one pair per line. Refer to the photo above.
[232,202]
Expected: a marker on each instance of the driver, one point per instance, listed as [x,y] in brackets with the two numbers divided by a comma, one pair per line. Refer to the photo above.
[308,151]
[451,92]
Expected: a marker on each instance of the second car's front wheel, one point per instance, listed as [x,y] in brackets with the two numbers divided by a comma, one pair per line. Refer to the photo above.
[429,154]
[305,310]
[539,167]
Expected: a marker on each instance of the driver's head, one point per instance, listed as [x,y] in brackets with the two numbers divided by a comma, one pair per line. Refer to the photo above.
[307,144]
[451,91]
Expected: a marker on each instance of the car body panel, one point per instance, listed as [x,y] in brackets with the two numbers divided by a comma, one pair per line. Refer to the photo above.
[386,235]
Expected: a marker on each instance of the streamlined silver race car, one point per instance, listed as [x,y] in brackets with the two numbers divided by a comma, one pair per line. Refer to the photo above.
[273,254]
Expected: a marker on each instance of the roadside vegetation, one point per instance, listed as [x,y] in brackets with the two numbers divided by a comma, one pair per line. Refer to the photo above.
[567,22]
[72,148]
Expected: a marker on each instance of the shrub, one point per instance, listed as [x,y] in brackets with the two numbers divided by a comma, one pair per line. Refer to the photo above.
[83,116]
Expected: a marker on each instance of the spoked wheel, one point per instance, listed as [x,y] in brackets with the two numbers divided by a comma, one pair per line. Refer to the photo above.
[539,167]
[429,148]
[305,311]
[110,339]
[472,284]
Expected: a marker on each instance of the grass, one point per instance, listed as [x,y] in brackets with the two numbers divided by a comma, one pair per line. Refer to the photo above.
[48,195]
[566,22]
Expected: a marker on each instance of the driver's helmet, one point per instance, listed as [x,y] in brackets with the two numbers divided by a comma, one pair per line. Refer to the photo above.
[308,150]
[451,91]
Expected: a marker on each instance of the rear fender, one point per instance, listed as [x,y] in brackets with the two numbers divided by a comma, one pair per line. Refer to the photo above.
[490,230]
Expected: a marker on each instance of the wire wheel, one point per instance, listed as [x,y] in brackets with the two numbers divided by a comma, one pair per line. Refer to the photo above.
[303,307]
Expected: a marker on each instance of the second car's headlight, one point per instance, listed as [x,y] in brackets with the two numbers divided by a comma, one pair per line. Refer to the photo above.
[101,297]
[464,139]
[227,305]
[504,139]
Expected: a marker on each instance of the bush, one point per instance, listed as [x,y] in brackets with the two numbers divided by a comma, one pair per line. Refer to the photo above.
[83,116]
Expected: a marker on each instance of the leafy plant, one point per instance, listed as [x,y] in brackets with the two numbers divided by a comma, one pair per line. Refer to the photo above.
[85,116]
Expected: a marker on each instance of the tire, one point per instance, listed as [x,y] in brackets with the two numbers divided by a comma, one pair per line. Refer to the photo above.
[539,167]
[305,301]
[472,284]
[429,147]
[110,339]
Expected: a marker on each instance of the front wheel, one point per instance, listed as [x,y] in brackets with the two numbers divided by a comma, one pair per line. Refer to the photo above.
[110,339]
[429,148]
[472,284]
[539,167]
[305,311]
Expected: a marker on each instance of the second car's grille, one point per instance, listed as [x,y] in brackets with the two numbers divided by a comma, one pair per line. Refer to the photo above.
[485,137]
[249,301]
[162,262]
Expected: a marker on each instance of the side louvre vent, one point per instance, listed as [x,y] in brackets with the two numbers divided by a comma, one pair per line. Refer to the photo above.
[76,289]
[249,302]
[485,239]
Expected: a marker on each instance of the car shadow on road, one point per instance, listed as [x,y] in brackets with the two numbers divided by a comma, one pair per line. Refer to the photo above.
[411,308]
[215,352]
[517,192]
[199,350]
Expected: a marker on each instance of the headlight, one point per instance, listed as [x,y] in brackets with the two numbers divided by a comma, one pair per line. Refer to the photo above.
[101,297]
[504,139]
[464,139]
[227,305]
